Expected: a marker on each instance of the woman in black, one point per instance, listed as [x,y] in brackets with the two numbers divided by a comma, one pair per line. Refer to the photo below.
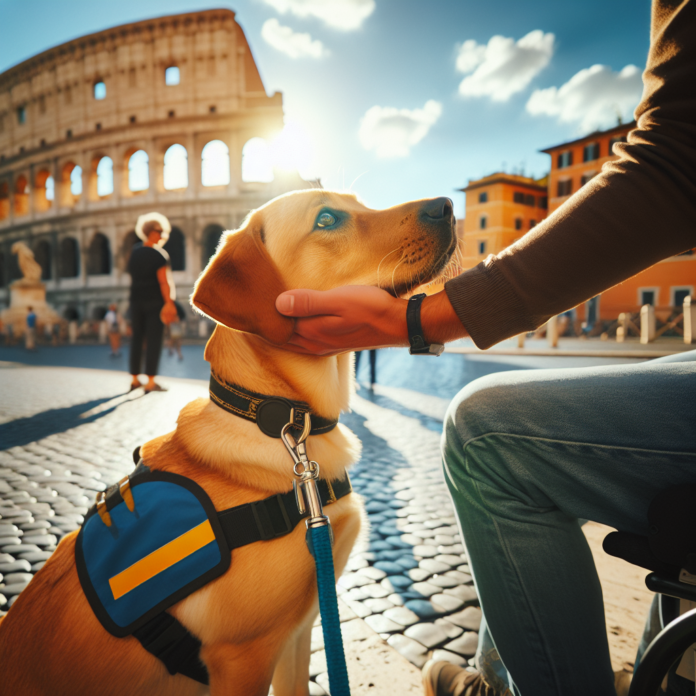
[151,297]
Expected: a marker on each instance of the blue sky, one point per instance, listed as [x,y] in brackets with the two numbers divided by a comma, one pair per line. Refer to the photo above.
[410,98]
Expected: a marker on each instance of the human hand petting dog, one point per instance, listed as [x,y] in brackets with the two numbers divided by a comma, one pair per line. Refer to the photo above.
[359,317]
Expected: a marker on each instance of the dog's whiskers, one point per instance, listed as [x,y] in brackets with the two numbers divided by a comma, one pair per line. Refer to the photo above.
[383,259]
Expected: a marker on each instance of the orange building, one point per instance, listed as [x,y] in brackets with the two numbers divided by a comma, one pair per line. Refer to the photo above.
[663,285]
[500,208]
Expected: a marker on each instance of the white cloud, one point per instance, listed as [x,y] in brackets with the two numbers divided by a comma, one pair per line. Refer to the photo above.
[290,42]
[503,67]
[393,132]
[339,14]
[593,97]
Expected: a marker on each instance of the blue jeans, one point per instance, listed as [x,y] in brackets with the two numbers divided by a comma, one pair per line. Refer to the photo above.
[528,454]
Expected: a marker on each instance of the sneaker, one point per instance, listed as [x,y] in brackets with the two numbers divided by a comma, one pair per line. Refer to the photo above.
[445,679]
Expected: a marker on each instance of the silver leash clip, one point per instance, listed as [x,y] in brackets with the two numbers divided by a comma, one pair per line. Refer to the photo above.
[307,473]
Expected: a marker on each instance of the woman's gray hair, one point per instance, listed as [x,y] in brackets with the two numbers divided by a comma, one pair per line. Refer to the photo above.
[153,217]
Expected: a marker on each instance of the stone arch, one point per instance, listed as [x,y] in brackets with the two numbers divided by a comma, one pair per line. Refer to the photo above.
[99,255]
[175,167]
[71,314]
[68,258]
[215,164]
[101,182]
[4,200]
[211,237]
[21,195]
[70,184]
[43,191]
[129,241]
[176,248]
[257,165]
[43,256]
[138,165]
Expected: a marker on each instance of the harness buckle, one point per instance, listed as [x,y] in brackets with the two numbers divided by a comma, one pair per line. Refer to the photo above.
[264,522]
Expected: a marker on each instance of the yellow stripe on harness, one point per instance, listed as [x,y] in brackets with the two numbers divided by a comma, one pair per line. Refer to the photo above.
[161,559]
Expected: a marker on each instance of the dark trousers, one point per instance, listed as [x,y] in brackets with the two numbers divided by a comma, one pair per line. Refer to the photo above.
[373,364]
[147,328]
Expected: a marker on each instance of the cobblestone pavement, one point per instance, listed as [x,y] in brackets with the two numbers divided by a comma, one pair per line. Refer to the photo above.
[66,433]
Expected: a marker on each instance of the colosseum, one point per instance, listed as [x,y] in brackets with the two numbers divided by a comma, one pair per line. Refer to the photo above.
[168,114]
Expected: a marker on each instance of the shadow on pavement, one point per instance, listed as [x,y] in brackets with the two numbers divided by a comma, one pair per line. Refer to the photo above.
[22,431]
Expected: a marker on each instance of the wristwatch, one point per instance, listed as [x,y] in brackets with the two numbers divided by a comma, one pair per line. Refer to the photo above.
[415,330]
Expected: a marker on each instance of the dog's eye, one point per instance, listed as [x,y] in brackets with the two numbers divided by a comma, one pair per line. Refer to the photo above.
[326,220]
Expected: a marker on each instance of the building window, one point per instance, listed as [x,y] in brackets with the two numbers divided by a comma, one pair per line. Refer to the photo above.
[171,76]
[215,165]
[76,180]
[483,197]
[529,200]
[518,223]
[99,256]
[483,222]
[565,188]
[175,168]
[105,177]
[257,163]
[21,114]
[21,197]
[679,295]
[587,176]
[532,223]
[176,248]
[543,202]
[648,296]
[99,90]
[43,190]
[590,152]
[68,258]
[138,171]
[481,248]
[564,159]
[518,197]
[613,141]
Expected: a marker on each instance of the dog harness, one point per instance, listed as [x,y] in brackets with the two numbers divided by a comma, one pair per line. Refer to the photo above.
[154,538]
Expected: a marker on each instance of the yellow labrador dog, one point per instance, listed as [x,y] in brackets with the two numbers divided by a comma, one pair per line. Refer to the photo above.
[254,621]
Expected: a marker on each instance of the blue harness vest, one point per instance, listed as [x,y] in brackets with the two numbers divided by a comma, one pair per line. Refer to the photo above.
[156,537]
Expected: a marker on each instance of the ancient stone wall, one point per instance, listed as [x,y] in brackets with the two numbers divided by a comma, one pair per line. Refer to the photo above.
[155,115]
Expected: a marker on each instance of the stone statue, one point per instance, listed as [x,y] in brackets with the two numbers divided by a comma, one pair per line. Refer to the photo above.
[27,264]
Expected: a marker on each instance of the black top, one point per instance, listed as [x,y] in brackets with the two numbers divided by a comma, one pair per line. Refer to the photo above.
[143,266]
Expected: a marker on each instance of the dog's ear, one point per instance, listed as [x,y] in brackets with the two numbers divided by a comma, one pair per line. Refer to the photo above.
[239,286]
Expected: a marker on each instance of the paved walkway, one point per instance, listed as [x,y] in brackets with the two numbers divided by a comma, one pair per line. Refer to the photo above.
[67,432]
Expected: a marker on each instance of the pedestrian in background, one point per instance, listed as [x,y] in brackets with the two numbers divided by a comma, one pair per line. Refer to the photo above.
[112,328]
[373,365]
[176,331]
[151,297]
[30,334]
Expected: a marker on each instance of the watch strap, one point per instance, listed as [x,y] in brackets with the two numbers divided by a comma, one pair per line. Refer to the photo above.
[416,338]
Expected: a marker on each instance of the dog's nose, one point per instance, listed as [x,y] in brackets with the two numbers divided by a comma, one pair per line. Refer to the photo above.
[437,208]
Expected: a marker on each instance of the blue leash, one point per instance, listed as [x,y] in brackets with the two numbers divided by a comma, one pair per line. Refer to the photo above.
[319,540]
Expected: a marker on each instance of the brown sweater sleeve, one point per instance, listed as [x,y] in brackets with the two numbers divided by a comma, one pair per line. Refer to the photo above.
[639,210]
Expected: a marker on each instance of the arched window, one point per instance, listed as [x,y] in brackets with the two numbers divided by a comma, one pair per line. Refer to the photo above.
[99,256]
[68,258]
[71,314]
[105,177]
[42,202]
[257,164]
[129,241]
[21,195]
[171,76]
[215,169]
[99,90]
[70,184]
[42,255]
[50,189]
[175,168]
[211,237]
[138,171]
[4,200]
[176,248]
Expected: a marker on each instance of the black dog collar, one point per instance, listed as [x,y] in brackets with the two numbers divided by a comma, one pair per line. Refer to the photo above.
[270,413]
